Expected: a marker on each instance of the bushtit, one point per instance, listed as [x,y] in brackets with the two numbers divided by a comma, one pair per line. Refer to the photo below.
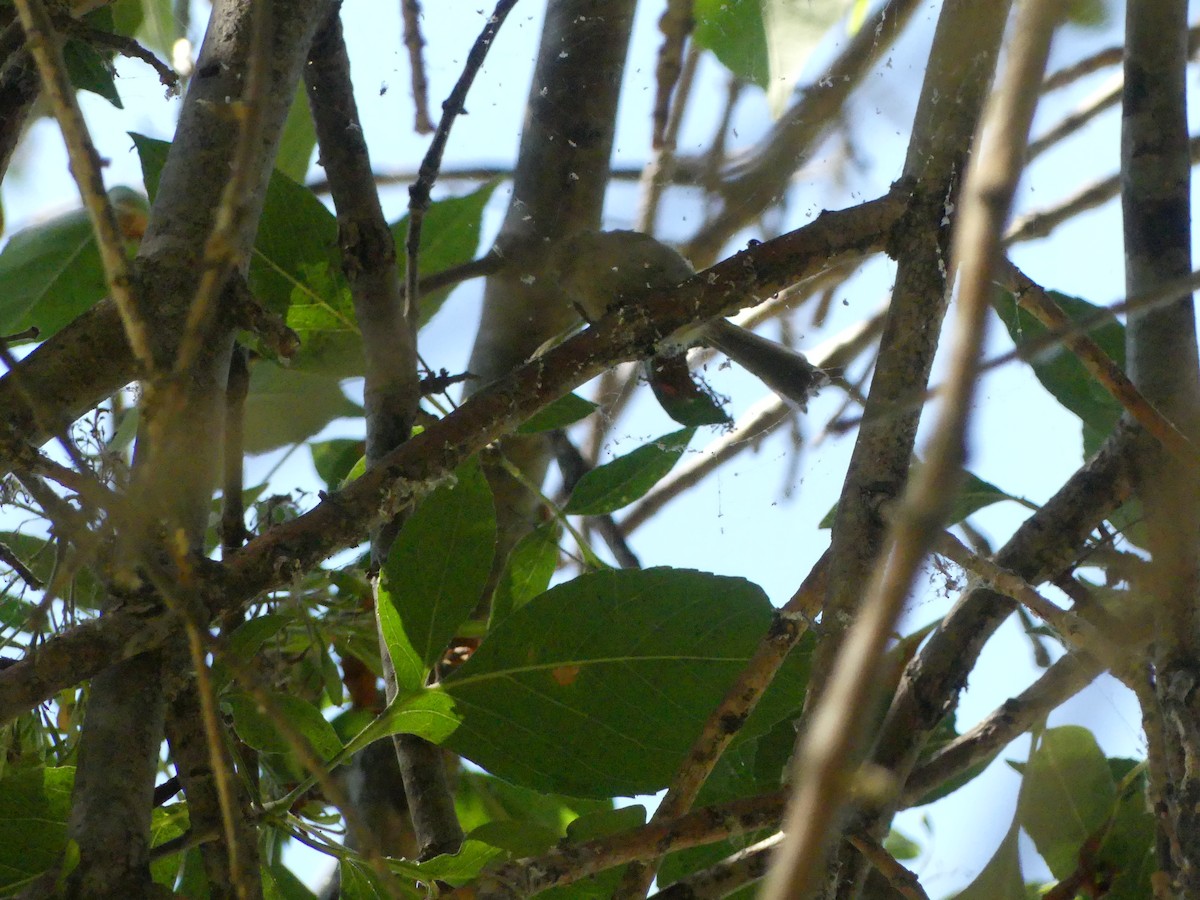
[600,270]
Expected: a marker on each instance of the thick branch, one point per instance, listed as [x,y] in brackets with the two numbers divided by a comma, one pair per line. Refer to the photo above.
[1162,360]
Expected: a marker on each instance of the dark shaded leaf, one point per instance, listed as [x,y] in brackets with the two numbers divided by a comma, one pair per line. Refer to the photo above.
[89,71]
[680,393]
[335,459]
[33,822]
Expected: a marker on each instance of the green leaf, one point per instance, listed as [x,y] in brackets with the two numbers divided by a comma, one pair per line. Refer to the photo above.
[1066,795]
[166,824]
[1059,370]
[449,237]
[562,412]
[1128,847]
[152,154]
[154,21]
[34,804]
[245,642]
[52,272]
[429,713]
[598,686]
[435,573]
[733,31]
[484,798]
[792,29]
[459,868]
[618,483]
[258,731]
[605,822]
[901,846]
[335,459]
[974,494]
[766,42]
[294,269]
[127,16]
[89,71]
[286,406]
[1001,877]
[1092,14]
[358,882]
[531,565]
[516,837]
[298,139]
[278,883]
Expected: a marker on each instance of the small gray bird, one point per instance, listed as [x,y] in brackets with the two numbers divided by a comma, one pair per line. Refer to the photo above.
[602,270]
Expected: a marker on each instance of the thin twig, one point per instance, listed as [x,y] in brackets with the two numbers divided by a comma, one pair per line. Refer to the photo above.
[567,864]
[45,45]
[415,42]
[1065,678]
[11,560]
[676,24]
[419,192]
[719,881]
[902,879]
[1102,59]
[81,479]
[219,760]
[660,170]
[1097,104]
[1041,223]
[1077,631]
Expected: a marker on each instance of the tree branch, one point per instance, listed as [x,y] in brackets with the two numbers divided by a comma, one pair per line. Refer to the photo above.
[1163,362]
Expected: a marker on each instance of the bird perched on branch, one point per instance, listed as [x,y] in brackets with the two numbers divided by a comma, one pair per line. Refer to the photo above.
[602,270]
